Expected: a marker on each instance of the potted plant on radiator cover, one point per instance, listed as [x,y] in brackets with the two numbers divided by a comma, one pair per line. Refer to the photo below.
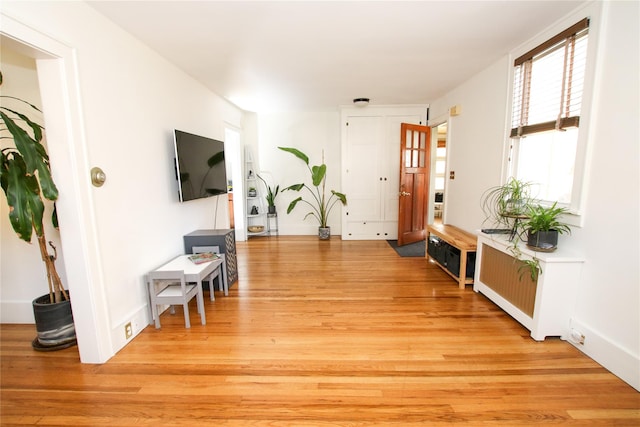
[543,226]
[25,177]
[504,205]
[512,207]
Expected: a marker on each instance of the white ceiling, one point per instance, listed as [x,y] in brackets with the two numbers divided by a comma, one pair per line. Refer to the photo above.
[303,55]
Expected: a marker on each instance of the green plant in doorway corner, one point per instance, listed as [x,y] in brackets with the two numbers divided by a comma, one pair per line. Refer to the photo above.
[25,177]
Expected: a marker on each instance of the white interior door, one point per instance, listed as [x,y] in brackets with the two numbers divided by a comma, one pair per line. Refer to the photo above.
[365,137]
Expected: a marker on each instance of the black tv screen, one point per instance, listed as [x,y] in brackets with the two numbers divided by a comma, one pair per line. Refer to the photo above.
[200,166]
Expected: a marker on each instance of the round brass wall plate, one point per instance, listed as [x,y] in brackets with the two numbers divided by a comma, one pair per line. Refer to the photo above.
[98,177]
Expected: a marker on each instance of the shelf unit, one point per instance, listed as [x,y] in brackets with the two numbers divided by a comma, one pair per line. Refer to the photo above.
[255,200]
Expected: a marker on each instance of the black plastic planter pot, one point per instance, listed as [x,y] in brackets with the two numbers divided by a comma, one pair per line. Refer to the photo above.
[54,324]
[544,241]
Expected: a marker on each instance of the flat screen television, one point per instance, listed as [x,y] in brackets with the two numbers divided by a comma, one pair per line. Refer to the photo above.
[200,166]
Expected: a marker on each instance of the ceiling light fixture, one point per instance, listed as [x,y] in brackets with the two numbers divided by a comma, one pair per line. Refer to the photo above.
[361,102]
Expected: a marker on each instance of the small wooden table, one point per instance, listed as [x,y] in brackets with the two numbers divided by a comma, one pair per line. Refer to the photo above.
[460,239]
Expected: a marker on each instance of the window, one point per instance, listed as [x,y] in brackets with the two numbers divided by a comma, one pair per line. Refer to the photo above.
[547,101]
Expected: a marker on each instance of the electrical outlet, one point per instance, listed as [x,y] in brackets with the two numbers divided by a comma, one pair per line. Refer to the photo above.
[577,337]
[128,331]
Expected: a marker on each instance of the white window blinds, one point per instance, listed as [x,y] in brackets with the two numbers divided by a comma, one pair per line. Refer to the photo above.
[548,83]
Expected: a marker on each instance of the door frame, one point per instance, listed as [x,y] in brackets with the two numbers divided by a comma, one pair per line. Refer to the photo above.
[433,124]
[57,68]
[234,147]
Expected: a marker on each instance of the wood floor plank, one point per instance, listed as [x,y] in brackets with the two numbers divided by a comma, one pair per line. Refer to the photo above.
[338,333]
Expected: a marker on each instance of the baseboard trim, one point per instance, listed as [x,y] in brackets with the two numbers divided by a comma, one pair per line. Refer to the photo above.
[17,312]
[620,361]
[139,320]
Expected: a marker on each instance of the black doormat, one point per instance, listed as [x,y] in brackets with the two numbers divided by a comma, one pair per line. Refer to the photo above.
[416,249]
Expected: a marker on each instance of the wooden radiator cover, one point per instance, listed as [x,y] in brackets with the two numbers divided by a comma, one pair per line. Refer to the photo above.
[501,273]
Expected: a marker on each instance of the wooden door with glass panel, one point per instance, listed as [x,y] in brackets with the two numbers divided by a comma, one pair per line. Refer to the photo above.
[415,143]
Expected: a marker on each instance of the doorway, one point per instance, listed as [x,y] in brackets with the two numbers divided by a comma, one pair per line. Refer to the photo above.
[20,284]
[57,77]
[236,181]
[437,188]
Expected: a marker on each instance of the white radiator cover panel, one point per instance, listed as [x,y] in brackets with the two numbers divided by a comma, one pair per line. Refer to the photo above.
[554,294]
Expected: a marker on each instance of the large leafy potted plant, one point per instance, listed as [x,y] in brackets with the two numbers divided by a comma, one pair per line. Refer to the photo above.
[25,177]
[320,204]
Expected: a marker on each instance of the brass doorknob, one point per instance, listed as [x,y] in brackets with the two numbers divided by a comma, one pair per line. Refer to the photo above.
[404,193]
[98,177]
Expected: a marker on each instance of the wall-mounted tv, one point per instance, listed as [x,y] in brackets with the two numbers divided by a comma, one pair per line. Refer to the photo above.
[200,166]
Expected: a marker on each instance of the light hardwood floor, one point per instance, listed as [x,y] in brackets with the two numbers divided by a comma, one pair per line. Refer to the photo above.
[321,334]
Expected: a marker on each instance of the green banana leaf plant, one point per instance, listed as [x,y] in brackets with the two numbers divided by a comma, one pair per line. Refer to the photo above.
[25,177]
[321,205]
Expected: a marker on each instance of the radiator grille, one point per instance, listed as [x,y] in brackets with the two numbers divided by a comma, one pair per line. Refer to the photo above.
[500,272]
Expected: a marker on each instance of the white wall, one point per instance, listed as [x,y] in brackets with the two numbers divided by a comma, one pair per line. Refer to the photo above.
[19,285]
[474,143]
[607,306]
[312,133]
[131,99]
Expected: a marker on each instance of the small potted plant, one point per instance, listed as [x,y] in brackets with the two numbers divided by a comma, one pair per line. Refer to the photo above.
[543,225]
[272,193]
[25,177]
[320,204]
[252,192]
[504,204]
